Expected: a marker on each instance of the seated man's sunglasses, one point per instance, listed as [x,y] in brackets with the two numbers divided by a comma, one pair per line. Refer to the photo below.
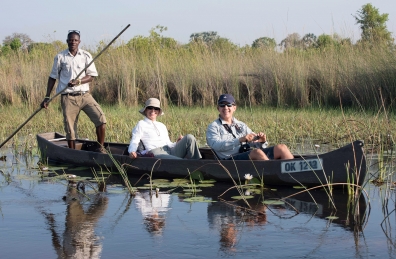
[152,108]
[224,105]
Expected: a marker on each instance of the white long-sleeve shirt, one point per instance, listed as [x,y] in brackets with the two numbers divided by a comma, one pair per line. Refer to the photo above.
[153,134]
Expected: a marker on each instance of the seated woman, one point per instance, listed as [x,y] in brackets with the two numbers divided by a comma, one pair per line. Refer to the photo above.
[155,138]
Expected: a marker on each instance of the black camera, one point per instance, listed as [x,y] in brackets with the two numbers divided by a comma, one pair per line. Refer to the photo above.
[244,148]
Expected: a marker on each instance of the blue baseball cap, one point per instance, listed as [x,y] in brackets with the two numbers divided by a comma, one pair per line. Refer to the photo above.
[226,98]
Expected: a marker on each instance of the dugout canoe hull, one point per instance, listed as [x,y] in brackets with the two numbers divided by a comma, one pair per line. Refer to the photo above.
[344,165]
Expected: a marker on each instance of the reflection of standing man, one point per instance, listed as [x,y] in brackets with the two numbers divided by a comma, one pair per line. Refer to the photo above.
[79,238]
[67,65]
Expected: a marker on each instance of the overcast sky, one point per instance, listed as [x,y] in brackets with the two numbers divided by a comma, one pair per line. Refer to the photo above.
[241,21]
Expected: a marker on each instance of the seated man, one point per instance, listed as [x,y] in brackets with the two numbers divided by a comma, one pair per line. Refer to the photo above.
[226,134]
[155,138]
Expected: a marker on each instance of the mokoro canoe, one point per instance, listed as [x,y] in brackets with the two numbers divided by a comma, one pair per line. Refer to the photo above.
[344,165]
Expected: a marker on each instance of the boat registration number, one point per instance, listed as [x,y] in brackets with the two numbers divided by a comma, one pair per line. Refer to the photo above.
[301,165]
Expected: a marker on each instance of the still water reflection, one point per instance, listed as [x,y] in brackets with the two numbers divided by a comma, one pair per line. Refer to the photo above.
[47,218]
[79,239]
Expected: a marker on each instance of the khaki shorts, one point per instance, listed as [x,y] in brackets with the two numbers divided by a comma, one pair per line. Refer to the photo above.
[72,105]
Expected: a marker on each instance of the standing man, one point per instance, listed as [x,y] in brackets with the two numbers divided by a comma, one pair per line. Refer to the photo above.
[76,97]
[226,135]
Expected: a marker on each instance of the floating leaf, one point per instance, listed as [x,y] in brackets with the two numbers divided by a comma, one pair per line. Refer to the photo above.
[197,175]
[147,184]
[197,199]
[332,217]
[299,187]
[273,202]
[192,190]
[207,181]
[160,180]
[205,185]
[242,197]
[274,190]
[187,185]
[255,191]
[255,181]
[181,180]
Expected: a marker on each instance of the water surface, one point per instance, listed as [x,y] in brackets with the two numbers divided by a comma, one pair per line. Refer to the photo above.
[45,218]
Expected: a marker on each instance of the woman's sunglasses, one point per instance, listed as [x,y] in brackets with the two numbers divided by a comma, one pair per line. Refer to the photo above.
[152,108]
[224,105]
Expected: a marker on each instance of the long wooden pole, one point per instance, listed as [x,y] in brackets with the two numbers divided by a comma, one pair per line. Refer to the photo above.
[49,100]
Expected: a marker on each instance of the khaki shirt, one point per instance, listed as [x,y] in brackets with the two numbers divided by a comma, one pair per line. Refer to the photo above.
[66,67]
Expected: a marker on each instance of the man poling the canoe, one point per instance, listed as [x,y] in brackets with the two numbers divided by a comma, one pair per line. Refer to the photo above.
[71,83]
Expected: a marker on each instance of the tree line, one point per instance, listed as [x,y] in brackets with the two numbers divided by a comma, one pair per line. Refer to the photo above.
[371,22]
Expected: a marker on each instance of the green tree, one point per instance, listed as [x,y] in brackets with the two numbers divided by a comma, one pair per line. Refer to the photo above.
[264,42]
[5,50]
[373,26]
[207,37]
[24,39]
[15,44]
[155,40]
[325,41]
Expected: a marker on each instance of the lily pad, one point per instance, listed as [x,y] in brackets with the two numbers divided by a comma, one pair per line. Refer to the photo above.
[187,185]
[299,187]
[147,184]
[242,197]
[273,202]
[207,181]
[332,217]
[197,199]
[255,191]
[205,185]
[197,175]
[181,180]
[160,180]
[192,190]
[255,181]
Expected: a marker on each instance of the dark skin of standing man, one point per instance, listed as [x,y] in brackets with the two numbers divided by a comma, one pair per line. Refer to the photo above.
[73,41]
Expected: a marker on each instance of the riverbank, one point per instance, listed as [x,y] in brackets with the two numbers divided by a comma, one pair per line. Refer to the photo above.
[290,126]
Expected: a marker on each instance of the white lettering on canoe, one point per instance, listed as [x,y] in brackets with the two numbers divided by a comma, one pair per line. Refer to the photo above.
[301,165]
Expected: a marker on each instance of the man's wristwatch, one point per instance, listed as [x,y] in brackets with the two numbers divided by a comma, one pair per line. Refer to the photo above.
[264,145]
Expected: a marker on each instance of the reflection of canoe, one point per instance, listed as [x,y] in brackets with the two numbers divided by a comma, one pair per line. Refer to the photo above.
[343,165]
[315,202]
